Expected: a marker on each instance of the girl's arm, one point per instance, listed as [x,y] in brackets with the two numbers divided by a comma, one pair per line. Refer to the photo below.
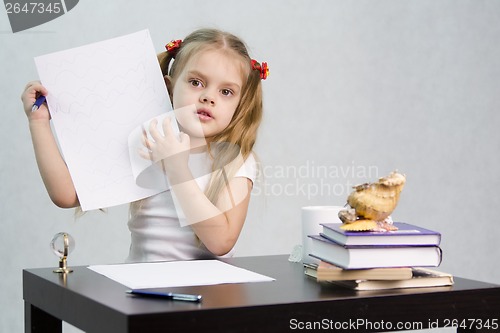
[53,169]
[218,226]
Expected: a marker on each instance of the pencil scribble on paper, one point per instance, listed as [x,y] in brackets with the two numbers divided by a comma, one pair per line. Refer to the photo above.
[98,94]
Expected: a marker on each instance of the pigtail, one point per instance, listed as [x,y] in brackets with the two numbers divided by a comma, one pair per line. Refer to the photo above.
[236,142]
[242,129]
[164,59]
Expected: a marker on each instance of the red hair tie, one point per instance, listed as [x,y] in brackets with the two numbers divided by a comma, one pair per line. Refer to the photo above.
[263,69]
[173,47]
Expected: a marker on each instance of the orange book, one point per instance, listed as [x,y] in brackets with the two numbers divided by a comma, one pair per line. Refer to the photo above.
[422,277]
[328,272]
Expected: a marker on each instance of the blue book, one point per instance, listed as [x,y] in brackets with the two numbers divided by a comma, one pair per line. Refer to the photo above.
[407,234]
[374,256]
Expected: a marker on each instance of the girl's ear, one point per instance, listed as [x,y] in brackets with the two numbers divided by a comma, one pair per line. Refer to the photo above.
[170,87]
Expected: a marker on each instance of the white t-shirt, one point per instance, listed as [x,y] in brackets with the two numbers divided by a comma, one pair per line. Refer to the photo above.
[156,234]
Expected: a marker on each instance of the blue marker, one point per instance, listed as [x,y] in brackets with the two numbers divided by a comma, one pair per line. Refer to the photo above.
[39,101]
[165,295]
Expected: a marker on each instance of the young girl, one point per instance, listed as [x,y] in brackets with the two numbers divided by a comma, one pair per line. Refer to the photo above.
[211,70]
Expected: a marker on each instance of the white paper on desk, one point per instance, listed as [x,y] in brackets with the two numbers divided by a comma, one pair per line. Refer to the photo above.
[177,274]
[98,94]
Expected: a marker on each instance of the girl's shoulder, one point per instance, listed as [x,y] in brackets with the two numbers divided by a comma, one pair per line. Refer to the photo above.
[249,169]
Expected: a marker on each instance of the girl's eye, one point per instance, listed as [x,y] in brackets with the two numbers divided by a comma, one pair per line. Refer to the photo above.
[226,92]
[195,83]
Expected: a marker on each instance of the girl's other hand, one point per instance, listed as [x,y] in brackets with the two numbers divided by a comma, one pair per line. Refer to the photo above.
[172,150]
[33,90]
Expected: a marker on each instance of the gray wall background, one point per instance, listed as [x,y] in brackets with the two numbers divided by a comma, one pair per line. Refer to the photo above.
[357,89]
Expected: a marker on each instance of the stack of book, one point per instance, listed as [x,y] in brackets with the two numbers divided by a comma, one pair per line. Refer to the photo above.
[378,260]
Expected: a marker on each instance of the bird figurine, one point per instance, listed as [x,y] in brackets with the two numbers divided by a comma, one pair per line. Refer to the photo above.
[371,204]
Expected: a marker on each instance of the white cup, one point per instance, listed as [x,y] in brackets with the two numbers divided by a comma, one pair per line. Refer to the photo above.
[312,217]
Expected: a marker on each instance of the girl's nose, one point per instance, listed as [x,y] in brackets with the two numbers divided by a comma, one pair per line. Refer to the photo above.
[207,98]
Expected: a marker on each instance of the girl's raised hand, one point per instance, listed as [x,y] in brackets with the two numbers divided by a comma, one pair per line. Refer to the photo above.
[33,90]
[173,151]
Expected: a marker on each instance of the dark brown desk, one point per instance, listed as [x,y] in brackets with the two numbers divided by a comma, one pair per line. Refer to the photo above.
[95,303]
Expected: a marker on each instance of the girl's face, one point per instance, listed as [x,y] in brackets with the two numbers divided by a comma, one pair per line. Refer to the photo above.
[212,81]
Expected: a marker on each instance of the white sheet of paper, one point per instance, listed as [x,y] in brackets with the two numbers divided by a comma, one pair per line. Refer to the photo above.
[177,274]
[98,94]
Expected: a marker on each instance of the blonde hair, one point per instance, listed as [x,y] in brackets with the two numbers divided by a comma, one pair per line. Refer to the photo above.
[240,135]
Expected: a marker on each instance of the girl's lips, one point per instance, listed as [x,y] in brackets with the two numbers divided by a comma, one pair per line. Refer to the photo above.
[204,114]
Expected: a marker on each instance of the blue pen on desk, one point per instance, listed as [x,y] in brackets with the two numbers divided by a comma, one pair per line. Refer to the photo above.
[165,295]
[39,101]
